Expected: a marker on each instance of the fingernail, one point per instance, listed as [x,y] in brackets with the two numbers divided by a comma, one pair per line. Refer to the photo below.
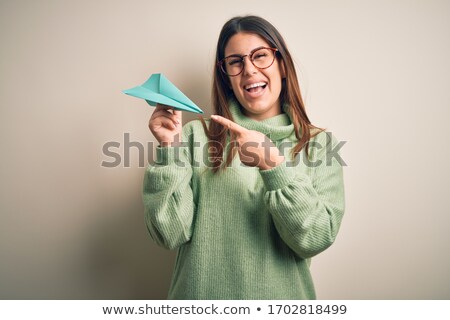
[213,116]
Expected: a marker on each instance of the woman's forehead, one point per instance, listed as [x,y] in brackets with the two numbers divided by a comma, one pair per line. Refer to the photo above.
[243,42]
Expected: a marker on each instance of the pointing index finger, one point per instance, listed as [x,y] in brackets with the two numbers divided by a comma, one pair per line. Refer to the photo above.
[233,126]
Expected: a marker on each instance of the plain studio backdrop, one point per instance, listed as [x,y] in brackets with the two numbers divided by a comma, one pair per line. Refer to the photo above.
[375,73]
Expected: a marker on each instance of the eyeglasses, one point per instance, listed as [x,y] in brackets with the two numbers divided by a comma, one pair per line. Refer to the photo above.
[261,58]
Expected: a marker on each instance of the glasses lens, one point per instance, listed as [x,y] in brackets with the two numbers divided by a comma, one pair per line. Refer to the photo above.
[263,58]
[232,65]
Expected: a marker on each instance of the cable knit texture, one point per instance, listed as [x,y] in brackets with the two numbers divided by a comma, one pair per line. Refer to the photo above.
[244,233]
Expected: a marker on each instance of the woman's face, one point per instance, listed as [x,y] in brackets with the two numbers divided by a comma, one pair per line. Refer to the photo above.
[263,101]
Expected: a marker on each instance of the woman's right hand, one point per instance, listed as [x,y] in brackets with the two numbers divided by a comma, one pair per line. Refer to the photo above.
[165,124]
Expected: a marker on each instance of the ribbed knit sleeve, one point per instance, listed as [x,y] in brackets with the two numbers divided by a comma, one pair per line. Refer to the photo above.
[307,209]
[168,198]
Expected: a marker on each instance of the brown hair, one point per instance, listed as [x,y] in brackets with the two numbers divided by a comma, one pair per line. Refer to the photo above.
[290,95]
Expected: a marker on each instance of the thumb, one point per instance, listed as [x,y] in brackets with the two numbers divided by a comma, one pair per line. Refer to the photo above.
[178,115]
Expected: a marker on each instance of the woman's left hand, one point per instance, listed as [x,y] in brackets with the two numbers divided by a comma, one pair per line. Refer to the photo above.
[255,148]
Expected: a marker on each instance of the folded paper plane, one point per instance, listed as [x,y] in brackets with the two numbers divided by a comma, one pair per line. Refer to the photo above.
[158,89]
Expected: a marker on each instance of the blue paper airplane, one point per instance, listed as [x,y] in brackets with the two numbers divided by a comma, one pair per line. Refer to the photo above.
[158,89]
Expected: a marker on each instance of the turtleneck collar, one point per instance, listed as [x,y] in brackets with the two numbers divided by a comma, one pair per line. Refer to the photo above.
[276,128]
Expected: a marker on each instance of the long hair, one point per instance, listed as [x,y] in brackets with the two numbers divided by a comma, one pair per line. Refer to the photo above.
[290,95]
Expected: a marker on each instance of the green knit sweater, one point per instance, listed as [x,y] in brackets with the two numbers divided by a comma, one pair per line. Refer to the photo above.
[244,233]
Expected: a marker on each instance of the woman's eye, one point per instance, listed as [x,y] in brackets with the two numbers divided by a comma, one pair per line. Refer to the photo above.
[234,61]
[259,56]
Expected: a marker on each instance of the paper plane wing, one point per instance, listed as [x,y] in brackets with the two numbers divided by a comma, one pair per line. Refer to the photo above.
[158,89]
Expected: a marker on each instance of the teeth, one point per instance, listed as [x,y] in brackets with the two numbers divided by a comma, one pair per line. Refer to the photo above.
[254,85]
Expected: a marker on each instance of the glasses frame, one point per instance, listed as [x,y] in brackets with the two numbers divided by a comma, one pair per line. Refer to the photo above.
[220,63]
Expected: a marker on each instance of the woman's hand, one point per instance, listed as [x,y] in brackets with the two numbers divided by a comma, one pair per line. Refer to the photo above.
[165,124]
[255,149]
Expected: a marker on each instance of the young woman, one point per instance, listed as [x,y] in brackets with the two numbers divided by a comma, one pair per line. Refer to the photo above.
[248,197]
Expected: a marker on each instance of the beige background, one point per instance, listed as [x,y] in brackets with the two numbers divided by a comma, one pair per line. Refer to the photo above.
[375,73]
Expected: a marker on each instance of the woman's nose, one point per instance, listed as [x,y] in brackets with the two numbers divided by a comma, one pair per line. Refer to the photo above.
[249,67]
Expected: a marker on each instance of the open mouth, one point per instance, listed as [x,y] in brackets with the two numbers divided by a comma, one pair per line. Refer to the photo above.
[255,87]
